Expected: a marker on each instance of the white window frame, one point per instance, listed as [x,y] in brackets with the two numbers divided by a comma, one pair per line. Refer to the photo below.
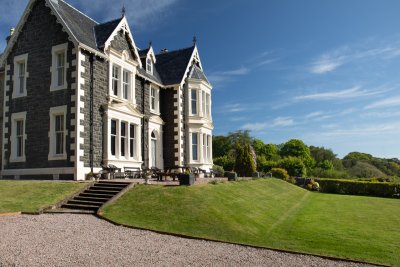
[125,138]
[191,102]
[56,111]
[55,51]
[116,77]
[130,138]
[208,106]
[126,84]
[124,65]
[208,148]
[204,148]
[16,77]
[156,109]
[203,103]
[118,137]
[192,146]
[21,116]
[149,65]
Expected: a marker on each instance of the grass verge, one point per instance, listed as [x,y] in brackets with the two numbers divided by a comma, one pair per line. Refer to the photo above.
[31,196]
[269,213]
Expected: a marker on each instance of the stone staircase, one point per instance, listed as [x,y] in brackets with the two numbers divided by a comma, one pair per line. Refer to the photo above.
[90,200]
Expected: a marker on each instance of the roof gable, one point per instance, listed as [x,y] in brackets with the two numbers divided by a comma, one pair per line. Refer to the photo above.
[104,30]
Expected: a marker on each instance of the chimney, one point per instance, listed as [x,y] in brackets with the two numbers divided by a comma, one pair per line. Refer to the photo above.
[164,51]
[11,33]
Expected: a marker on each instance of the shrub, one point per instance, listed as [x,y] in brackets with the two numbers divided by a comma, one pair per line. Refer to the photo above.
[363,188]
[244,163]
[365,170]
[318,172]
[279,173]
[219,171]
[264,165]
[294,166]
[225,161]
[313,185]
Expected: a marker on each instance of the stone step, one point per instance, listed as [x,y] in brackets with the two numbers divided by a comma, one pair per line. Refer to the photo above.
[113,183]
[80,207]
[100,195]
[95,199]
[73,211]
[81,202]
[102,191]
[107,187]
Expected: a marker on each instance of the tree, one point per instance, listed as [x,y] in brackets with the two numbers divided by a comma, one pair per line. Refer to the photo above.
[244,164]
[294,166]
[221,146]
[320,154]
[296,148]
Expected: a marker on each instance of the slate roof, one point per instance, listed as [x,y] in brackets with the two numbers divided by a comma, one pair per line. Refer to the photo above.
[81,26]
[171,66]
[104,30]
[198,74]
[143,53]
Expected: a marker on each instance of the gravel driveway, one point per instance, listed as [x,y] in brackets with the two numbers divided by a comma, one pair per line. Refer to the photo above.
[84,240]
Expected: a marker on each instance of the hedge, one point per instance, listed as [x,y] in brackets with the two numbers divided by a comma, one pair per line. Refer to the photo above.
[362,188]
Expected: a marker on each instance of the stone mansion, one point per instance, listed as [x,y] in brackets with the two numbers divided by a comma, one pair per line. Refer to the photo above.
[77,94]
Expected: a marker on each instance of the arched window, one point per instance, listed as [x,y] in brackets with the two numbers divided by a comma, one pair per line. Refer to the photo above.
[153,149]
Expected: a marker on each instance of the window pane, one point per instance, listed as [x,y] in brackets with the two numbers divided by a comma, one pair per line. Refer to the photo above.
[113,127]
[113,145]
[20,137]
[21,75]
[115,79]
[126,84]
[194,101]
[123,138]
[131,140]
[59,143]
[20,146]
[194,146]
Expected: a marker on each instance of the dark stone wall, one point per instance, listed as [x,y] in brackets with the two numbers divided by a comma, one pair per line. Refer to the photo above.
[167,114]
[40,33]
[120,44]
[1,113]
[100,94]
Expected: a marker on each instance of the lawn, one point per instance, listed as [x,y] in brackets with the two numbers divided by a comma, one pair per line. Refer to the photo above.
[31,196]
[269,213]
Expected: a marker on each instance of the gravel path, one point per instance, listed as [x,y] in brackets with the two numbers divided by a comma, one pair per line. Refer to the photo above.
[84,240]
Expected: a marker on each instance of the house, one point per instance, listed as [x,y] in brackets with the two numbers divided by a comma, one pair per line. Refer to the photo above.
[79,94]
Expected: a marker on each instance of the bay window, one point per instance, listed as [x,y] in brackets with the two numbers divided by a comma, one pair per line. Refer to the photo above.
[122,140]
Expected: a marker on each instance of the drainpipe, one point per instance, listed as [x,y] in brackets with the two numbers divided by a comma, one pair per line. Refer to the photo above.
[92,58]
[143,121]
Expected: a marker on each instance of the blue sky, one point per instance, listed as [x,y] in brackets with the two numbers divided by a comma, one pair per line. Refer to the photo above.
[327,72]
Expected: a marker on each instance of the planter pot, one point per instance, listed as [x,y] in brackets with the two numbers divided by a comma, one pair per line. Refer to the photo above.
[186,179]
[232,176]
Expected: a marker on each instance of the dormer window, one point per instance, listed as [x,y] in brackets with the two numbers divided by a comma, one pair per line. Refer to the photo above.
[149,66]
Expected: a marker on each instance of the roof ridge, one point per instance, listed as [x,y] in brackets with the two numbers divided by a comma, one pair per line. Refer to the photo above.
[173,51]
[78,10]
[108,22]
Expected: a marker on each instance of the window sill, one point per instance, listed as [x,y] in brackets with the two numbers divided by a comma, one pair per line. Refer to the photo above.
[19,95]
[58,88]
[57,157]
[16,160]
[155,112]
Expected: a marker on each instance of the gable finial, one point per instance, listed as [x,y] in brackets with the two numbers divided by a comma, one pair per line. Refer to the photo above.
[123,10]
[194,40]
[150,44]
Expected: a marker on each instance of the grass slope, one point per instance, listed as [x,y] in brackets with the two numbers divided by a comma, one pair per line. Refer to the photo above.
[31,196]
[269,213]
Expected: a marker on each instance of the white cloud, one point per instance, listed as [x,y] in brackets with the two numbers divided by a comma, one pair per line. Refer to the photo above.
[314,114]
[364,130]
[385,103]
[277,122]
[353,92]
[336,58]
[228,75]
